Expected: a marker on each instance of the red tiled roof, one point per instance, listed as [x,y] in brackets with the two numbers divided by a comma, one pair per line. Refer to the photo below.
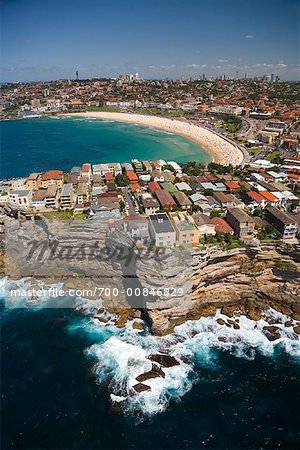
[132,175]
[255,196]
[270,197]
[153,186]
[86,168]
[52,175]
[221,225]
[109,176]
[232,185]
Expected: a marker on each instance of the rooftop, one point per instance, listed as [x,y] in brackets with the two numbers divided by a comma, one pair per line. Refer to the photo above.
[161,223]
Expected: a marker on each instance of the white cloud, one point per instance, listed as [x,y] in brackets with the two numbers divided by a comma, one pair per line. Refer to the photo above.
[249,36]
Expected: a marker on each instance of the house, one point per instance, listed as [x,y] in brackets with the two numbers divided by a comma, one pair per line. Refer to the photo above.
[242,224]
[270,198]
[221,226]
[232,185]
[97,190]
[76,170]
[150,205]
[105,211]
[153,186]
[132,176]
[209,186]
[33,181]
[183,186]
[165,199]
[147,166]
[51,197]
[168,176]
[186,231]
[220,187]
[282,177]
[223,199]
[254,200]
[284,223]
[74,179]
[157,176]
[161,230]
[137,166]
[66,196]
[109,177]
[138,228]
[86,172]
[82,193]
[38,199]
[169,187]
[198,198]
[204,224]
[52,178]
[175,166]
[182,200]
[20,198]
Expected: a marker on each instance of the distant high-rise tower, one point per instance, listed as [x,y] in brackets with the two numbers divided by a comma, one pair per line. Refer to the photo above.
[77,75]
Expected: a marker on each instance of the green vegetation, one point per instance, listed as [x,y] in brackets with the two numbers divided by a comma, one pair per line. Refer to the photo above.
[286,265]
[275,157]
[63,215]
[232,124]
[254,150]
[193,168]
[122,180]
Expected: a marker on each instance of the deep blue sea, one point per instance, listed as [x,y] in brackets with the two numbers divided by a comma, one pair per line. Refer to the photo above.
[62,142]
[57,365]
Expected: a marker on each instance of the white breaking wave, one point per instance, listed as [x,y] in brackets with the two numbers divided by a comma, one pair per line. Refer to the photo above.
[124,356]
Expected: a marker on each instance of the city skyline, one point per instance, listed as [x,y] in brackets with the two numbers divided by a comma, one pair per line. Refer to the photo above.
[52,40]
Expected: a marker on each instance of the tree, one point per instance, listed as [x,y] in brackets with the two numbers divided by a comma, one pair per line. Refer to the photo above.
[122,180]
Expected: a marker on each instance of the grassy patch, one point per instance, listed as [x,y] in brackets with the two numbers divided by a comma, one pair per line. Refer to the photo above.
[63,215]
[254,150]
[285,265]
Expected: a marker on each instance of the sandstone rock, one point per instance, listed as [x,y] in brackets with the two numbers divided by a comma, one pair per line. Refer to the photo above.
[272,333]
[288,323]
[101,319]
[296,308]
[140,387]
[254,314]
[221,321]
[135,314]
[164,360]
[236,326]
[138,326]
[229,310]
[297,329]
[154,373]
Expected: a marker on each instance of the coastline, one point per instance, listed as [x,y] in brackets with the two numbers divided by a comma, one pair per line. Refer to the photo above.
[222,151]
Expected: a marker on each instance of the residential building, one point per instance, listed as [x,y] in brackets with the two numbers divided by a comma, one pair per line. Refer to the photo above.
[82,193]
[183,186]
[51,197]
[186,231]
[153,186]
[182,200]
[20,198]
[169,187]
[66,196]
[254,200]
[137,166]
[270,198]
[105,211]
[223,199]
[242,224]
[204,224]
[221,226]
[38,199]
[165,199]
[132,176]
[52,178]
[138,228]
[162,230]
[150,205]
[284,223]
[86,172]
[33,181]
[147,166]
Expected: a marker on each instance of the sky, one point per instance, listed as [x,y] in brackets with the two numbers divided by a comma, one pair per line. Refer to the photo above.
[51,39]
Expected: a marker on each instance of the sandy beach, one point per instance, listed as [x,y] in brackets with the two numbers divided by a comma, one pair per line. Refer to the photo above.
[222,151]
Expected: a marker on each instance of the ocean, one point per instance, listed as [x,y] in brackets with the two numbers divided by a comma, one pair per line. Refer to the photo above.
[41,144]
[59,367]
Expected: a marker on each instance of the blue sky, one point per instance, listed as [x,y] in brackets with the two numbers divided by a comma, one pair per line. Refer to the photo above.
[50,39]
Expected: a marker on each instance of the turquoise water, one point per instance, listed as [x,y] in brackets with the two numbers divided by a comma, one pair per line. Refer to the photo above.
[62,142]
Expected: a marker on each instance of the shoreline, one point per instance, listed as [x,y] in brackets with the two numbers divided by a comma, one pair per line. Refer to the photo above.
[221,151]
